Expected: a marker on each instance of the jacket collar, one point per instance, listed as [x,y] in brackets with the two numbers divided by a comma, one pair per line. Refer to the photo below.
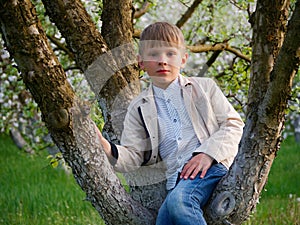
[184,81]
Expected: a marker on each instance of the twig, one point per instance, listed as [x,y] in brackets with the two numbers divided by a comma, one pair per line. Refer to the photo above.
[188,13]
[60,46]
[141,11]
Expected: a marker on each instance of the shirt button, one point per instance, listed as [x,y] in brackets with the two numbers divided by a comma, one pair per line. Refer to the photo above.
[175,120]
[168,100]
[179,139]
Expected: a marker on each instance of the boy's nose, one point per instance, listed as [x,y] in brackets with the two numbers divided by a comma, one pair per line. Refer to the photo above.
[162,61]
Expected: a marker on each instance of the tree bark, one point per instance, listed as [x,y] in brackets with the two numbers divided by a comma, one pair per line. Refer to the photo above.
[272,15]
[66,118]
[113,98]
[117,30]
[238,193]
[19,141]
[101,66]
[73,132]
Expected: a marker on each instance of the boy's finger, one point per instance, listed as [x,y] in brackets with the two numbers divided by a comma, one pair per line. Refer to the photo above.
[202,175]
[188,173]
[183,172]
[194,174]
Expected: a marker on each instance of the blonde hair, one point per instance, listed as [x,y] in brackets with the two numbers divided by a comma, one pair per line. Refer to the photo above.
[161,34]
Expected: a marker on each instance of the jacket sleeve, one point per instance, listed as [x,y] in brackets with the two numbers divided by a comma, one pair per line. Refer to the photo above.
[134,142]
[222,142]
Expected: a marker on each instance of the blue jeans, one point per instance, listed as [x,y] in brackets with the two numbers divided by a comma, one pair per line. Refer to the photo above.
[183,205]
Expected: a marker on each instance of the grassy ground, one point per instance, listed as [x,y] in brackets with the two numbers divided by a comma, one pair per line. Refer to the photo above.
[280,202]
[33,193]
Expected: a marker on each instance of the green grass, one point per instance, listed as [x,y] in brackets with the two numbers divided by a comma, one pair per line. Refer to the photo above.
[31,192]
[280,202]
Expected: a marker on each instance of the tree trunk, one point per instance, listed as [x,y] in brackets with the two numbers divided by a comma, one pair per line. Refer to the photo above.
[101,66]
[73,132]
[65,116]
[117,30]
[238,193]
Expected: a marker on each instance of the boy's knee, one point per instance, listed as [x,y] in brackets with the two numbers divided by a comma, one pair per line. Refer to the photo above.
[178,203]
[183,208]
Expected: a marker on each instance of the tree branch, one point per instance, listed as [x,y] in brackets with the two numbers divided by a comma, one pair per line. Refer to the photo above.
[19,141]
[218,47]
[266,45]
[141,11]
[206,48]
[188,13]
[101,66]
[60,46]
[209,62]
[262,132]
[81,35]
[286,66]
[238,53]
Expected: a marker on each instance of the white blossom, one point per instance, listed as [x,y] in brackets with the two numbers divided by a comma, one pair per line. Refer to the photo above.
[12,78]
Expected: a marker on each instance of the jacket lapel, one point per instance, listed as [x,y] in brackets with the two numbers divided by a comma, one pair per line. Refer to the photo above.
[190,99]
[149,115]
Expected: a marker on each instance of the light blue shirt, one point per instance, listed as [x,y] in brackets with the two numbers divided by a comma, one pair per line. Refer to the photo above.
[177,137]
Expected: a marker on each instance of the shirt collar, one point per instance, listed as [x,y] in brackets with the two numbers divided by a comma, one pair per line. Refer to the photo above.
[180,80]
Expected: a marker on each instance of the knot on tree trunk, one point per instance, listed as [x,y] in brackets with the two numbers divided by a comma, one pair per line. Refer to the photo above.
[58,119]
[222,205]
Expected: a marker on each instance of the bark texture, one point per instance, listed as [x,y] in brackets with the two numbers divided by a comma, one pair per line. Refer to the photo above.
[275,60]
[117,30]
[119,82]
[109,71]
[273,69]
[66,117]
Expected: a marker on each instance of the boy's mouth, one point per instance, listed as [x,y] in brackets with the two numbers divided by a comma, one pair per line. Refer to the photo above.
[163,71]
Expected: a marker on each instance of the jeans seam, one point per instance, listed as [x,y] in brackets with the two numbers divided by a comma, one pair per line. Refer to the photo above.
[194,211]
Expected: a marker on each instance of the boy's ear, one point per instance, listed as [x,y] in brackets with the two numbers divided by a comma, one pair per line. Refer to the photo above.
[184,59]
[140,62]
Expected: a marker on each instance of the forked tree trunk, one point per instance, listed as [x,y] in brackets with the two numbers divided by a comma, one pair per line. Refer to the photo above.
[114,94]
[103,67]
[66,118]
[72,130]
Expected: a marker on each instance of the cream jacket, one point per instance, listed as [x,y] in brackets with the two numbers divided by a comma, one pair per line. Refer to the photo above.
[217,125]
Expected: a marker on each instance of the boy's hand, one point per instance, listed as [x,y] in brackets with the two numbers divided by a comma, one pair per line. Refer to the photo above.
[105,144]
[201,162]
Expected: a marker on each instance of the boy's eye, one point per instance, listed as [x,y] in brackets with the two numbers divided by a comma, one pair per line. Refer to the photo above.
[171,53]
[152,54]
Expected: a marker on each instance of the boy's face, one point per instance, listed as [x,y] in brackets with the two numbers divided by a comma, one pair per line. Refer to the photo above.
[162,64]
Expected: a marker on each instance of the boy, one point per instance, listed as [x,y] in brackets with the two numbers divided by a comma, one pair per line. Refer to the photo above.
[185,122]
